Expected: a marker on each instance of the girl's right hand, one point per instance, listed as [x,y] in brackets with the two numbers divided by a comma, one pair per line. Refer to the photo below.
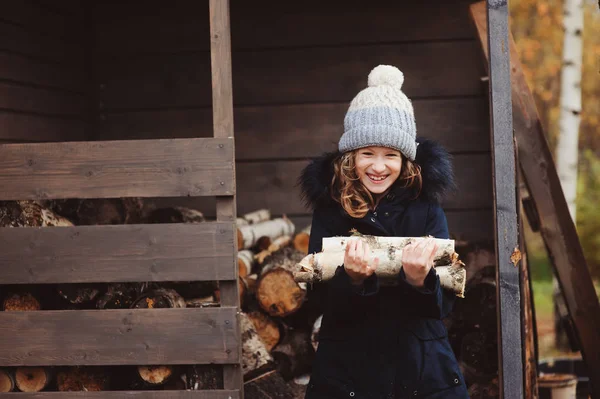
[357,261]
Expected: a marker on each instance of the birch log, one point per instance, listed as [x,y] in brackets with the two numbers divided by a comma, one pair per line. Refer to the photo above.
[245,262]
[321,266]
[258,216]
[301,240]
[272,228]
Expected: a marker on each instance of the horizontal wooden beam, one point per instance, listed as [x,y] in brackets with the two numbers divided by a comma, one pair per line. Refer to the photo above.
[119,337]
[288,76]
[290,133]
[120,253]
[109,169]
[208,394]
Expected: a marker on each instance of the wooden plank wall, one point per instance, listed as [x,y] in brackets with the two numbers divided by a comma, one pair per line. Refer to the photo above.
[296,66]
[43,80]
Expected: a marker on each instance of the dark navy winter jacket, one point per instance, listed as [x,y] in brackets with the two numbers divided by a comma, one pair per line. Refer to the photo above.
[377,341]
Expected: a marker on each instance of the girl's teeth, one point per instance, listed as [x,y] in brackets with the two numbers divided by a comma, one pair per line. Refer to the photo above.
[377,178]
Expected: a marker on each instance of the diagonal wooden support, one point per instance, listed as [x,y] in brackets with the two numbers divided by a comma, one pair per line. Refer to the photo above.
[556,225]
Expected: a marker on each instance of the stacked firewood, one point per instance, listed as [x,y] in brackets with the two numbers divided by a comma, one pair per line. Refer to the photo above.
[276,345]
[279,323]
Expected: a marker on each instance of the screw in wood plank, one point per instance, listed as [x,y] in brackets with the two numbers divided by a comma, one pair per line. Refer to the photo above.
[222,183]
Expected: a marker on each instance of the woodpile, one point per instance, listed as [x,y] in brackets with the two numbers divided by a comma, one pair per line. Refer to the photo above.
[279,327]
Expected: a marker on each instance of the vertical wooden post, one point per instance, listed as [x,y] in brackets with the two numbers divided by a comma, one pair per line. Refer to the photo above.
[222,102]
[505,203]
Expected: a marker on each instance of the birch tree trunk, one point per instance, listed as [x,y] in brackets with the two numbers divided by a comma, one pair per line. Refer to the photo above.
[570,101]
[568,139]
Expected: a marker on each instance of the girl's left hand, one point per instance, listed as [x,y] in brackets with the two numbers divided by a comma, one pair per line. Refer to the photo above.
[417,260]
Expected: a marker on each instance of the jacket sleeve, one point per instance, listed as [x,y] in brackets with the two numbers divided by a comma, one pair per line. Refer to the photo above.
[343,301]
[432,300]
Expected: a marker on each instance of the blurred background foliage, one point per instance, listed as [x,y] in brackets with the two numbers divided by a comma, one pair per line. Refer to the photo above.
[537,28]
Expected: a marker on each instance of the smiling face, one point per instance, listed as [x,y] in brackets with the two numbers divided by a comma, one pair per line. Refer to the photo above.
[378,168]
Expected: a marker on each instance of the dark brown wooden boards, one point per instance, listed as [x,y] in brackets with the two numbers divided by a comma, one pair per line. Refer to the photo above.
[119,253]
[505,204]
[119,337]
[556,226]
[152,168]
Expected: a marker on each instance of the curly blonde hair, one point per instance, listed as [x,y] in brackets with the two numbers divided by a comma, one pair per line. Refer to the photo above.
[355,198]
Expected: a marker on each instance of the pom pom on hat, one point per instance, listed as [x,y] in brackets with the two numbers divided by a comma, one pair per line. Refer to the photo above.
[386,75]
[381,115]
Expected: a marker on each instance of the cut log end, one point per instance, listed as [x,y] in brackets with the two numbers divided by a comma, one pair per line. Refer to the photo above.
[267,329]
[301,241]
[7,382]
[279,294]
[31,379]
[155,375]
[21,303]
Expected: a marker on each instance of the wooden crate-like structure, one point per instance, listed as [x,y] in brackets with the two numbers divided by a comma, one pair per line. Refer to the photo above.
[187,167]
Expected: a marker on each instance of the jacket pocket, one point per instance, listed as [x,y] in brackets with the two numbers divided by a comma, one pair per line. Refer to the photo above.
[440,369]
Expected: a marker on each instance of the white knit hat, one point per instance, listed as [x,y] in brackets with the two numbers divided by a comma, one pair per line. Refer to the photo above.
[381,115]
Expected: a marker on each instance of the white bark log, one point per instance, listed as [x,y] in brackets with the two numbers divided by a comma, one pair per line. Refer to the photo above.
[261,215]
[272,228]
[322,266]
[245,262]
[445,247]
[570,101]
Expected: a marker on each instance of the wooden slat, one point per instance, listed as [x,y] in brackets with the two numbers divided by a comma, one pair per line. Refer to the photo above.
[289,75]
[303,130]
[19,39]
[272,185]
[119,337]
[272,23]
[27,127]
[121,253]
[208,394]
[152,168]
[222,106]
[508,295]
[41,101]
[27,70]
[556,225]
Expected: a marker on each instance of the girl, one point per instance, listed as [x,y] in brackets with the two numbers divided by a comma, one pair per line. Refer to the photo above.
[382,342]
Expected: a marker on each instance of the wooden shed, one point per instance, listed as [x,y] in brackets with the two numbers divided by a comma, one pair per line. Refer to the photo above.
[112,99]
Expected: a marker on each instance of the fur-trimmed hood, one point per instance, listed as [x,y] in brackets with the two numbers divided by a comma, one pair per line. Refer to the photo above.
[436,170]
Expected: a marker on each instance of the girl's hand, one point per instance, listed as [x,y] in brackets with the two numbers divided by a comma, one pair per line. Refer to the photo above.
[358,262]
[417,260]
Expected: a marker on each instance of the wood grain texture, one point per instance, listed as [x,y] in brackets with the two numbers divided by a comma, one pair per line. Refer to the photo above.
[332,23]
[19,39]
[27,127]
[222,107]
[26,70]
[185,167]
[41,101]
[208,394]
[120,253]
[119,337]
[289,75]
[556,225]
[303,130]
